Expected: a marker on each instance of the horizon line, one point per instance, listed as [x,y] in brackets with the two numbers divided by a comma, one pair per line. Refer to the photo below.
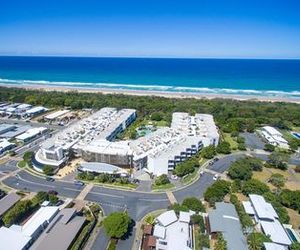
[149,57]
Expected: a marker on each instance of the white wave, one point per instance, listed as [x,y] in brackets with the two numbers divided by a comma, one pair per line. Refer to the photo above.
[154,87]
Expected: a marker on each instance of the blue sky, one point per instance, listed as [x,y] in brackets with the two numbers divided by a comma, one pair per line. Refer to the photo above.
[151,28]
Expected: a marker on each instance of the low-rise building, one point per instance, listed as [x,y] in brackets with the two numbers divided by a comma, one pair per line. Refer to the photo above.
[35,111]
[5,145]
[61,232]
[274,137]
[225,220]
[173,233]
[267,219]
[101,168]
[30,134]
[26,234]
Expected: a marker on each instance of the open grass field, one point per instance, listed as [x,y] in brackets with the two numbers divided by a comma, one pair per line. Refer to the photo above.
[292,180]
[230,140]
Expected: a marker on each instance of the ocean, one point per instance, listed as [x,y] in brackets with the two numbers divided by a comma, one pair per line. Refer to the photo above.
[276,78]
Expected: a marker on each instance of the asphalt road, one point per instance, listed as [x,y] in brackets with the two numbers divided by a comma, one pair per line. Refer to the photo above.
[138,204]
[253,141]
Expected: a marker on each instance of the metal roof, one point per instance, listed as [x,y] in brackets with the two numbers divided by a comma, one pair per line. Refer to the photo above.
[99,167]
[263,209]
[13,240]
[276,232]
[8,201]
[225,219]
[61,231]
[273,246]
[167,218]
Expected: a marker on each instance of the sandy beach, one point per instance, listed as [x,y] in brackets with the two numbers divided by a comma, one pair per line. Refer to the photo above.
[165,94]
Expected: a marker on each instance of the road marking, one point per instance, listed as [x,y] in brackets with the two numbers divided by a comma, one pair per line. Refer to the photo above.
[171,197]
[109,195]
[158,200]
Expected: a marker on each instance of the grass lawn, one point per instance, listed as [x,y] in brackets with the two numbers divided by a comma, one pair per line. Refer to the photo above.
[22,164]
[292,181]
[163,187]
[230,140]
[294,218]
[190,177]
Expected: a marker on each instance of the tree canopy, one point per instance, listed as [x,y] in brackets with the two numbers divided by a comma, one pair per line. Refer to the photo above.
[116,224]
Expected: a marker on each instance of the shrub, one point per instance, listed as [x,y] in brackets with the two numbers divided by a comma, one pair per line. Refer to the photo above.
[162,180]
[254,186]
[277,180]
[208,152]
[223,148]
[48,170]
[116,224]
[217,191]
[193,204]
[269,147]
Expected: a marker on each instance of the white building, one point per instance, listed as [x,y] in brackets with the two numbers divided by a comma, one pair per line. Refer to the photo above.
[82,136]
[56,114]
[274,137]
[267,219]
[173,233]
[31,134]
[35,111]
[21,237]
[5,145]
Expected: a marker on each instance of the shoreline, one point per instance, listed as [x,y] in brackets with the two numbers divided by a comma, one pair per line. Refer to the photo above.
[165,94]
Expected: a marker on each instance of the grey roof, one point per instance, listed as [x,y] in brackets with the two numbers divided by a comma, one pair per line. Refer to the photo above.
[225,219]
[7,202]
[15,132]
[6,127]
[100,167]
[61,231]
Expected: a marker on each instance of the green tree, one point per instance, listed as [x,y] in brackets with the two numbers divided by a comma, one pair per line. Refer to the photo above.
[208,152]
[221,243]
[295,246]
[254,186]
[39,198]
[223,148]
[53,199]
[162,180]
[156,117]
[197,219]
[217,191]
[256,240]
[48,170]
[269,147]
[28,156]
[240,172]
[193,204]
[116,224]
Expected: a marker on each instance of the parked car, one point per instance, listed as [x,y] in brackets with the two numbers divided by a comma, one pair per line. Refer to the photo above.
[216,177]
[201,173]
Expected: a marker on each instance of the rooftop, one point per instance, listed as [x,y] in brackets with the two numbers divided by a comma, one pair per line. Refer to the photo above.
[13,240]
[99,167]
[263,209]
[8,201]
[61,231]
[225,219]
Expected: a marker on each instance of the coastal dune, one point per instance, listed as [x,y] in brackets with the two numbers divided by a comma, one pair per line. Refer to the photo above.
[166,94]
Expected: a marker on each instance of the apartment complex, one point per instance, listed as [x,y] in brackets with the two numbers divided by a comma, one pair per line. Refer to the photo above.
[274,137]
[78,138]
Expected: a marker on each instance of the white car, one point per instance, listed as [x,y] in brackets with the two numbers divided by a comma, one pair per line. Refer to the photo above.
[201,173]
[216,177]
[174,177]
